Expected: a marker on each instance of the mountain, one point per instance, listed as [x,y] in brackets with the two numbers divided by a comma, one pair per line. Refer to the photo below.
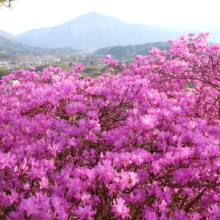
[97,36]
[34,33]
[30,42]
[30,37]
[130,51]
[6,34]
[8,46]
[94,30]
[94,18]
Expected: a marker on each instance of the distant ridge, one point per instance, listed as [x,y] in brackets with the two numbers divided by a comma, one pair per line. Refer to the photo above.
[34,33]
[94,30]
[8,46]
[131,50]
[5,34]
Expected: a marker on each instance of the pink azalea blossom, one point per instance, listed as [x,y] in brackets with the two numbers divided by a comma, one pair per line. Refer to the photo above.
[108,57]
[85,212]
[143,142]
[120,208]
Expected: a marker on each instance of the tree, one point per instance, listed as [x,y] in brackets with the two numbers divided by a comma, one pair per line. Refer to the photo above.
[3,72]
[6,3]
[92,68]
[92,62]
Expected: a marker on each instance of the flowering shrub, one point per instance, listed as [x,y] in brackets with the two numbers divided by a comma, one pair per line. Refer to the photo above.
[137,144]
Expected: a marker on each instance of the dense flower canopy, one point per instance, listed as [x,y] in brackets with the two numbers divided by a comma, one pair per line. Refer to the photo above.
[135,143]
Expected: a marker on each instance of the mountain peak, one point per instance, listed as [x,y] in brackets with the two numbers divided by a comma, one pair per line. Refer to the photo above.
[94,18]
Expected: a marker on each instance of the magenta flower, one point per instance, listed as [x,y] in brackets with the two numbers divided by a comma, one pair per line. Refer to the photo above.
[138,57]
[106,61]
[32,68]
[44,182]
[85,212]
[123,66]
[29,205]
[151,216]
[148,134]
[132,66]
[108,57]
[113,63]
[120,208]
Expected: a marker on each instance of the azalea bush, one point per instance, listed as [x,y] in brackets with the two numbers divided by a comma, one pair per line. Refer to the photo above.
[135,143]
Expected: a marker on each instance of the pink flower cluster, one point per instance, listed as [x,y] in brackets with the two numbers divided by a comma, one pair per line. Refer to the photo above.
[143,143]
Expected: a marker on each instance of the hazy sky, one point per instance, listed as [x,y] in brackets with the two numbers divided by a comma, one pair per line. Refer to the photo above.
[30,14]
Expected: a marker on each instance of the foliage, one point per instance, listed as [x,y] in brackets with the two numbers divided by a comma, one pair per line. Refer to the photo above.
[61,64]
[3,72]
[130,145]
[41,67]
[6,3]
[125,52]
[92,68]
